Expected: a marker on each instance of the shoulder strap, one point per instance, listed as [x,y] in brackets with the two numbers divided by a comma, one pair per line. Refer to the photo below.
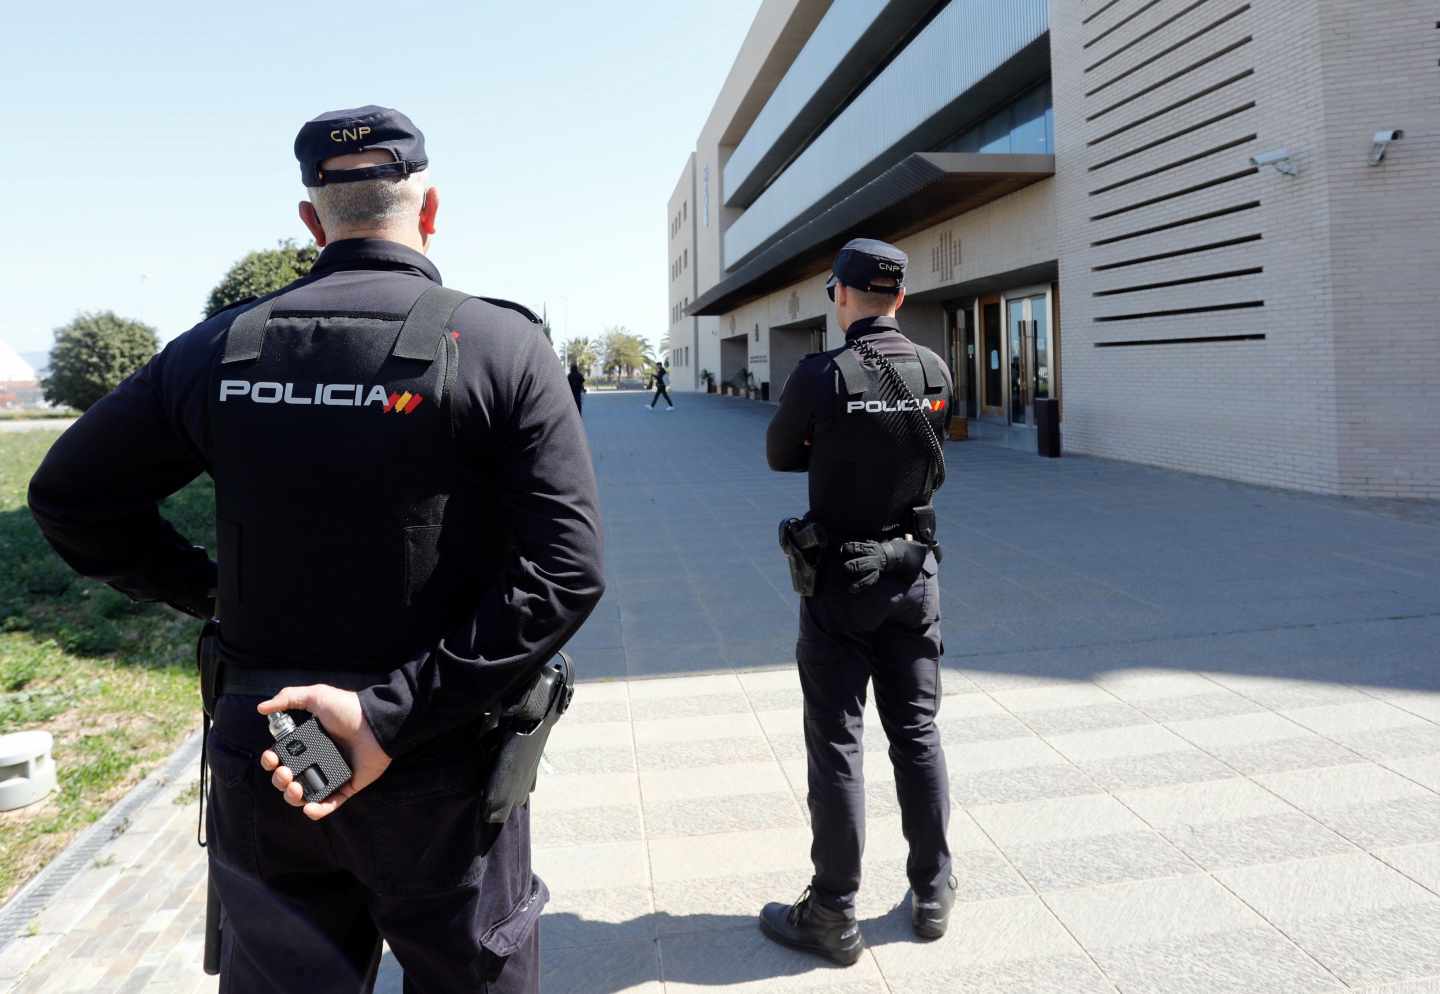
[854,379]
[934,374]
[246,337]
[428,323]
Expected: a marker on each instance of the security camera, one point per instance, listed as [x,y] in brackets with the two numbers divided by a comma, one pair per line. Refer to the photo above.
[1382,143]
[1279,158]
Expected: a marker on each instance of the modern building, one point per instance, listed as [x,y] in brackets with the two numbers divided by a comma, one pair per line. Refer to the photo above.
[1210,228]
[19,384]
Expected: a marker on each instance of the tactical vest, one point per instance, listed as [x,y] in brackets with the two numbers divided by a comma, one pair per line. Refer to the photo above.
[869,468]
[333,453]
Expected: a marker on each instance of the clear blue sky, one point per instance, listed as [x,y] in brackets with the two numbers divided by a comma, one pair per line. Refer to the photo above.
[148,146]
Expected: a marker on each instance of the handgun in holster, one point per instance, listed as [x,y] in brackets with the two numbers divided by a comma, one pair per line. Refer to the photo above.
[802,541]
[524,728]
[925,530]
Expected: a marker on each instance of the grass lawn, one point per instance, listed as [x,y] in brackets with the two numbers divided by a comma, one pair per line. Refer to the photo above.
[113,681]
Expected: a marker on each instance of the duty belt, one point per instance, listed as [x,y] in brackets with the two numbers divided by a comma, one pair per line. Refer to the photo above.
[267,682]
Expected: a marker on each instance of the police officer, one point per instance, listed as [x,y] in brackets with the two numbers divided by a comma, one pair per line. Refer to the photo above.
[866,420]
[408,531]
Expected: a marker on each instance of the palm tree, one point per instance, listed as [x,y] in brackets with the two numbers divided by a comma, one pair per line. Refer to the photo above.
[582,352]
[624,353]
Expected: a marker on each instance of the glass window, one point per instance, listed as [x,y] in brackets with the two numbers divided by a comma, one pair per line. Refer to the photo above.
[1029,133]
[995,134]
[1025,127]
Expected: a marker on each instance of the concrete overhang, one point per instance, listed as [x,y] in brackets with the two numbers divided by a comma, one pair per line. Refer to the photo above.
[922,190]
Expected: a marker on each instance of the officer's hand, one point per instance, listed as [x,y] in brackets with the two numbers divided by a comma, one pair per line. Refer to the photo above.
[864,562]
[340,715]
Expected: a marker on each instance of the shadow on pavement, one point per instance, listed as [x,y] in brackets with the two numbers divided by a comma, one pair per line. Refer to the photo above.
[701,949]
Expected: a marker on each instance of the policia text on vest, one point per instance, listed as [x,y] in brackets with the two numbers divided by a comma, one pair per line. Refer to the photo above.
[404,568]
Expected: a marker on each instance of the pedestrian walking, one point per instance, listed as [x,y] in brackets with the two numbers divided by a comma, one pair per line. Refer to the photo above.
[661,381]
[865,420]
[577,386]
[408,532]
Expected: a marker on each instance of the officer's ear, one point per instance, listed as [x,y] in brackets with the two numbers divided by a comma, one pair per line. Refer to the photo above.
[429,207]
[311,218]
[900,299]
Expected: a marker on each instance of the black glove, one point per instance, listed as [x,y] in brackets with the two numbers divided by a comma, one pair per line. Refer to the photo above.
[865,562]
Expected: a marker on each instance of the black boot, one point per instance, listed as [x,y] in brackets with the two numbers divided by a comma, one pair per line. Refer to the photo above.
[931,918]
[809,925]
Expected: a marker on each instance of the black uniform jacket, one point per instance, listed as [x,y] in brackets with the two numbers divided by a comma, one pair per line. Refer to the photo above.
[528,525]
[866,470]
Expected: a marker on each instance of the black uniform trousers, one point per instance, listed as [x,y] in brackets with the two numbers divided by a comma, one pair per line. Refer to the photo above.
[661,391]
[410,859]
[888,634]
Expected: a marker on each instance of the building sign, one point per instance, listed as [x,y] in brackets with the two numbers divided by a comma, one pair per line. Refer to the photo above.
[945,257]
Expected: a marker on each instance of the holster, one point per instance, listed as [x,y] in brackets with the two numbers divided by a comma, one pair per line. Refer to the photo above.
[803,541]
[207,661]
[925,529]
[524,729]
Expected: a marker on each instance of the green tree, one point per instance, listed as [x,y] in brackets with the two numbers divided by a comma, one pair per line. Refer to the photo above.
[623,353]
[262,272]
[93,354]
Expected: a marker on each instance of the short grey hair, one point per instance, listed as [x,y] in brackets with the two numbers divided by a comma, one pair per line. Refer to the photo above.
[369,204]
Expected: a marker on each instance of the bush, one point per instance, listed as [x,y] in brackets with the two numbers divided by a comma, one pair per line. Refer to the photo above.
[260,273]
[93,354]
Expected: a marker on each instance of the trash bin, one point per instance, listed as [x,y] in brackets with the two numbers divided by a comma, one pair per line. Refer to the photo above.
[1047,423]
[765,390]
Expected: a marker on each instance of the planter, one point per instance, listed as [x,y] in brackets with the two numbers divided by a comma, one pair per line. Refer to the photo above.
[959,430]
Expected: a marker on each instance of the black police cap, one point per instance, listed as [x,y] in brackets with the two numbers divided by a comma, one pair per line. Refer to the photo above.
[863,261]
[345,132]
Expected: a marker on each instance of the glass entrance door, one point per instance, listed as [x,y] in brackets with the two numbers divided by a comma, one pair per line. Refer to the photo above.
[1031,355]
[992,346]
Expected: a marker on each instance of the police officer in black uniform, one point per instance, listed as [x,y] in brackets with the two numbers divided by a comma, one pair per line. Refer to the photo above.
[408,532]
[865,421]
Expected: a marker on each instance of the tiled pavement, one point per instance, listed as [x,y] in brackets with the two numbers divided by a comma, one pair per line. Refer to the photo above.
[1140,805]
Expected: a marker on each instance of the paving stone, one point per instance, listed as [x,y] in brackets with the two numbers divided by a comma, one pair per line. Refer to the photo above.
[1238,729]
[1343,786]
[1364,715]
[1202,803]
[1246,961]
[1283,755]
[1066,721]
[1383,948]
[595,917]
[1218,703]
[1150,911]
[1117,743]
[1137,772]
[587,826]
[1070,974]
[1050,820]
[1420,863]
[984,933]
[625,968]
[1394,743]
[1024,784]
[713,815]
[1104,859]
[744,961]
[1403,822]
[711,752]
[1335,886]
[1248,841]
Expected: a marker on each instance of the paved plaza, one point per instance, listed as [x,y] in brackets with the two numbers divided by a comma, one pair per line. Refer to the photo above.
[1193,731]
